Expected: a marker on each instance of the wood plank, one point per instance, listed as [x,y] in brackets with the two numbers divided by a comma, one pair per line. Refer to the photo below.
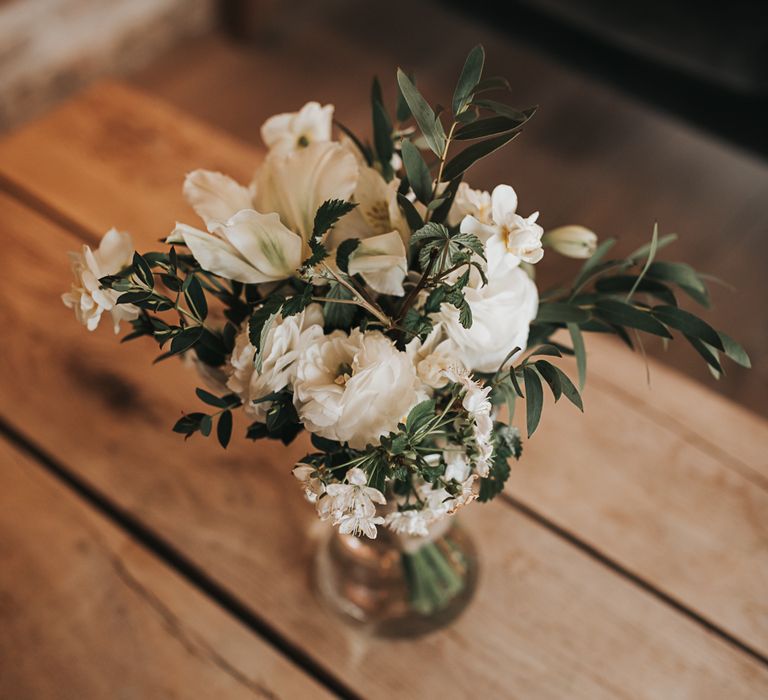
[88,612]
[548,620]
[694,455]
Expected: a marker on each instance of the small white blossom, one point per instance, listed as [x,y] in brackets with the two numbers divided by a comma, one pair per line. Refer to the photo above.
[511,238]
[352,505]
[313,487]
[413,523]
[86,297]
[469,202]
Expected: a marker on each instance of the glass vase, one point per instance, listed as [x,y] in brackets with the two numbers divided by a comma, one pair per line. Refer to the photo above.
[397,586]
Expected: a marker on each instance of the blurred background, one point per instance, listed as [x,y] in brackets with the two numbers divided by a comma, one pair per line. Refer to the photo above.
[649,111]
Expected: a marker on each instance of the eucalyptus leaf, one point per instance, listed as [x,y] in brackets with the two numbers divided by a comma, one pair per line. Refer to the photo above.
[430,125]
[689,324]
[622,314]
[561,312]
[417,171]
[534,399]
[469,156]
[469,78]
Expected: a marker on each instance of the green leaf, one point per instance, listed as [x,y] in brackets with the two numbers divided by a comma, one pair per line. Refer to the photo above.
[469,156]
[590,264]
[184,340]
[297,303]
[402,111]
[515,383]
[364,150]
[143,271]
[189,423]
[580,351]
[549,372]
[449,194]
[561,312]
[425,117]
[616,284]
[643,250]
[133,297]
[419,416]
[260,318]
[684,276]
[651,255]
[206,425]
[412,216]
[211,399]
[486,127]
[689,324]
[345,249]
[382,138]
[709,354]
[495,82]
[622,314]
[569,390]
[519,115]
[547,349]
[195,297]
[417,171]
[329,212]
[734,351]
[534,399]
[469,78]
[224,428]
[339,315]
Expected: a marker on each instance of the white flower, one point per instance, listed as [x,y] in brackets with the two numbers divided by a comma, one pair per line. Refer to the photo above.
[414,523]
[571,241]
[502,311]
[86,297]
[296,184]
[476,403]
[215,197]
[352,505]
[359,523]
[377,211]
[382,262]
[354,388]
[250,248]
[511,238]
[292,131]
[432,357]
[469,202]
[284,343]
[313,487]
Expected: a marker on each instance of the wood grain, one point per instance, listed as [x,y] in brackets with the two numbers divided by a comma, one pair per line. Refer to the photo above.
[669,483]
[548,621]
[87,613]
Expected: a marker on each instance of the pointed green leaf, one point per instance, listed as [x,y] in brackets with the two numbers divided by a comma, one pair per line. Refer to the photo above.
[689,324]
[417,171]
[534,399]
[425,117]
[580,351]
[469,78]
[469,156]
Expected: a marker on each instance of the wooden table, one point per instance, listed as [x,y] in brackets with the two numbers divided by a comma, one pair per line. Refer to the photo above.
[628,558]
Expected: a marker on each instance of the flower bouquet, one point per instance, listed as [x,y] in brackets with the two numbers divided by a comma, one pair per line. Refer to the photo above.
[362,291]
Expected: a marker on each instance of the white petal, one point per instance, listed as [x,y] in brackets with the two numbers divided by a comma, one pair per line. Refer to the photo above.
[115,251]
[275,127]
[469,224]
[382,262]
[264,242]
[295,185]
[218,256]
[503,203]
[215,197]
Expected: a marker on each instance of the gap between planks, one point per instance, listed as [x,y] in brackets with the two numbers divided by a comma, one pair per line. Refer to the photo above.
[187,569]
[258,624]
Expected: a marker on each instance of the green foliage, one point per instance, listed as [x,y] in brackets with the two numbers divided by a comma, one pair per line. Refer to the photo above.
[468,80]
[345,249]
[339,316]
[417,171]
[430,125]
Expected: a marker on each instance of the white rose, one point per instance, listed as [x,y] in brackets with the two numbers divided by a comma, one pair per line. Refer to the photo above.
[86,296]
[432,357]
[283,345]
[354,388]
[502,311]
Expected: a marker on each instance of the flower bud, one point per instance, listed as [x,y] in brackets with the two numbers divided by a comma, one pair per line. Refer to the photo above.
[571,241]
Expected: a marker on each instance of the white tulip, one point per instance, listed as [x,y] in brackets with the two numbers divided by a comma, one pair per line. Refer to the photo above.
[511,238]
[86,297]
[571,241]
[292,131]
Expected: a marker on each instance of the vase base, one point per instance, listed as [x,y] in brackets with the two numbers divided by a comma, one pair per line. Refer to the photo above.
[387,591]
